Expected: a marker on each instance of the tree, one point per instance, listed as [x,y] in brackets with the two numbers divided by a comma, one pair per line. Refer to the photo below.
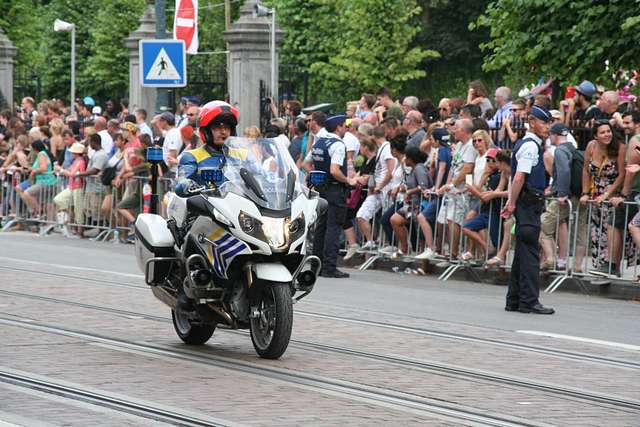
[349,47]
[21,22]
[444,27]
[569,39]
[105,73]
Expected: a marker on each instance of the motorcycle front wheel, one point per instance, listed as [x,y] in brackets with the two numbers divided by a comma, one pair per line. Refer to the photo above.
[272,320]
[190,333]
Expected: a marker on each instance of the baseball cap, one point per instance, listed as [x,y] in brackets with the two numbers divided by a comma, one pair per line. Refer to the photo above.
[586,88]
[492,153]
[89,101]
[559,129]
[441,135]
[168,117]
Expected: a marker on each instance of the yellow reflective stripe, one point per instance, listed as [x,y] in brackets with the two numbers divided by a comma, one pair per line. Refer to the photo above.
[200,154]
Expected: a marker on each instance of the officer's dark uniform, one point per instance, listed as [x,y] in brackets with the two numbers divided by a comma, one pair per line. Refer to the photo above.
[524,280]
[326,240]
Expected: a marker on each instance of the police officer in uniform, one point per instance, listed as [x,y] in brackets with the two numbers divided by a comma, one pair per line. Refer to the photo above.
[526,201]
[328,161]
[203,166]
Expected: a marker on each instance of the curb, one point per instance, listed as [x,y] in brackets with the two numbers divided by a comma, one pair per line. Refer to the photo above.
[595,286]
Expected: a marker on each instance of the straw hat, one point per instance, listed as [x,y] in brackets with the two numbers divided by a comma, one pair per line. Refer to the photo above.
[77,148]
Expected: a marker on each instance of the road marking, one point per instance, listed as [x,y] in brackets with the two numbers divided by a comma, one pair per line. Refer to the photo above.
[73,267]
[582,339]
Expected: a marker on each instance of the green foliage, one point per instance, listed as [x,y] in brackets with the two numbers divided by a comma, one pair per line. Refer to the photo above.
[570,39]
[108,60]
[444,27]
[22,25]
[349,46]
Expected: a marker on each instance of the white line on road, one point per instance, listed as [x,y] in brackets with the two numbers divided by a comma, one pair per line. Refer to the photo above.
[582,339]
[73,267]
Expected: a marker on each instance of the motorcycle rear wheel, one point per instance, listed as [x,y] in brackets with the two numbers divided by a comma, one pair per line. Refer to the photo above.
[190,333]
[271,329]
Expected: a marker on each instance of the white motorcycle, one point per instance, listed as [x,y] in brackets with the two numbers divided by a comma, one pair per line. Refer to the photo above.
[236,254]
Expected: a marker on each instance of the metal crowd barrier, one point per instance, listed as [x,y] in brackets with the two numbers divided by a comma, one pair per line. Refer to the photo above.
[582,257]
[93,207]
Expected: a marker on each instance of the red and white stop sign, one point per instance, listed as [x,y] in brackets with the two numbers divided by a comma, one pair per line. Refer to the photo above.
[185,24]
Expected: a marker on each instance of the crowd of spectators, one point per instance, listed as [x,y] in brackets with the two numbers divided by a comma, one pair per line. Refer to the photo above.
[427,179]
[423,175]
[85,170]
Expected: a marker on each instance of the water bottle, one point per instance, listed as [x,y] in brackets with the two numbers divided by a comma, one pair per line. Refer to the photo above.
[146,197]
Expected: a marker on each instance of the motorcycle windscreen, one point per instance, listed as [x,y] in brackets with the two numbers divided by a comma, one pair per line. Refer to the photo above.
[262,170]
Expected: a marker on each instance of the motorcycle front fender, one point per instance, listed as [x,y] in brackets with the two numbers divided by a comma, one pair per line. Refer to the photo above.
[272,272]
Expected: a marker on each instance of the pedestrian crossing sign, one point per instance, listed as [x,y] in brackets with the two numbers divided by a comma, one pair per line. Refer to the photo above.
[163,63]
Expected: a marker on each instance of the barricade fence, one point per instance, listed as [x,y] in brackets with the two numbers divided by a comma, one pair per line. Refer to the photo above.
[105,213]
[589,239]
[578,239]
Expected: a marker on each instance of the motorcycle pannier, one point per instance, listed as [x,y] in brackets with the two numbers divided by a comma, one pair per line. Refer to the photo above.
[153,240]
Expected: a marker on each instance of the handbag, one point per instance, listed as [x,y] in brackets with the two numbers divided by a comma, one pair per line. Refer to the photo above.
[354,197]
[109,174]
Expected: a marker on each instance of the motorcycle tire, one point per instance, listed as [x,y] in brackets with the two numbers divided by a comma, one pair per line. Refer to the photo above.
[271,330]
[190,333]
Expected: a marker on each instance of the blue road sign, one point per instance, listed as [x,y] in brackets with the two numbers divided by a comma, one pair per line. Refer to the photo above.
[163,63]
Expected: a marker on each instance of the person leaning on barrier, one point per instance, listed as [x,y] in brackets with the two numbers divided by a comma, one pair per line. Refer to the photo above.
[71,197]
[526,202]
[626,205]
[93,186]
[328,159]
[565,159]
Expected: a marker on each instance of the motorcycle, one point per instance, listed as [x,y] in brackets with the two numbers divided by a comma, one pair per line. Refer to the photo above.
[237,252]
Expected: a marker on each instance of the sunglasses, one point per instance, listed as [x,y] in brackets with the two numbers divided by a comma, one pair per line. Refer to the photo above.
[478,140]
[190,115]
[491,160]
[443,109]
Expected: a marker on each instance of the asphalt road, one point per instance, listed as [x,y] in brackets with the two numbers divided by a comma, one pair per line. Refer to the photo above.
[455,302]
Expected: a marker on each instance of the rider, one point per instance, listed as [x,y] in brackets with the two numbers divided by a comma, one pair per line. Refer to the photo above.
[203,166]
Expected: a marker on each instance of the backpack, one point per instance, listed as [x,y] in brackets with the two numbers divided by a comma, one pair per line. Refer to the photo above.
[577,163]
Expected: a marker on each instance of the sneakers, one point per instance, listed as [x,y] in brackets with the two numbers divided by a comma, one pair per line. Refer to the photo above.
[427,254]
[467,256]
[351,251]
[368,247]
[546,265]
[562,264]
[397,254]
[389,250]
[496,261]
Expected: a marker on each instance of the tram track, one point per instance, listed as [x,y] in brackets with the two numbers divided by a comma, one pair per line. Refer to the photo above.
[406,402]
[432,367]
[549,351]
[104,400]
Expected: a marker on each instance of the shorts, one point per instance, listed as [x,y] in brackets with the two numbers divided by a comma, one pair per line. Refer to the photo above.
[34,190]
[93,203]
[478,222]
[620,216]
[23,185]
[371,205]
[130,201]
[454,208]
[430,211]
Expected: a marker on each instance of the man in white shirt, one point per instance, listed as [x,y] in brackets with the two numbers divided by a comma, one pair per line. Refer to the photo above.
[100,125]
[385,164]
[455,204]
[172,141]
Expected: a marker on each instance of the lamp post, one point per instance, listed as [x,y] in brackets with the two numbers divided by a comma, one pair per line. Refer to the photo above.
[260,10]
[62,26]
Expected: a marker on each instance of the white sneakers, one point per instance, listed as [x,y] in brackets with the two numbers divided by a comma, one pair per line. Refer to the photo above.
[351,251]
[427,254]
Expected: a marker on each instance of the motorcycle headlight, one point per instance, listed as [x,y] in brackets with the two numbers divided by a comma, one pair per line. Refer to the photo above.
[274,230]
[248,224]
[296,228]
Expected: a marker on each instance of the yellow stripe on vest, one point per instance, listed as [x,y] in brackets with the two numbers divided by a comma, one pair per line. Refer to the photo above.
[200,154]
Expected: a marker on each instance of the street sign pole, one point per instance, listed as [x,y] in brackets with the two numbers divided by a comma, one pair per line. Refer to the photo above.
[162,98]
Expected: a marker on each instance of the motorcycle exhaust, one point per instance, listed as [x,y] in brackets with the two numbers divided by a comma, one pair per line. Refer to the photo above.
[306,280]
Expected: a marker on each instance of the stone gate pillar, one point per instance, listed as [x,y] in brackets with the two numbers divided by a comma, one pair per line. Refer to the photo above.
[141,97]
[7,53]
[250,62]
